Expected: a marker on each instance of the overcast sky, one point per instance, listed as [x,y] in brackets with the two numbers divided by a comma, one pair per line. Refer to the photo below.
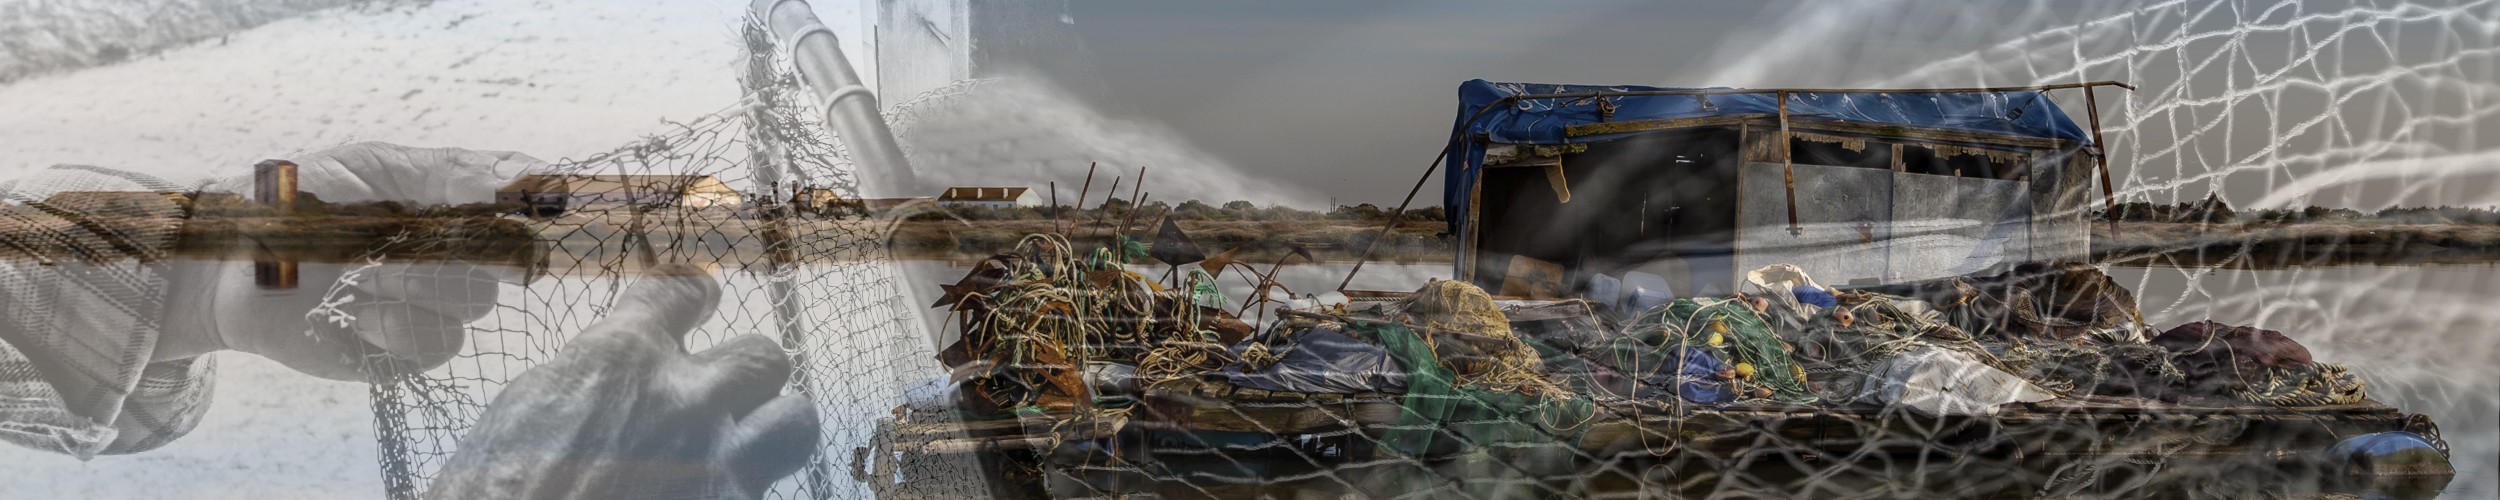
[1354,98]
[1344,99]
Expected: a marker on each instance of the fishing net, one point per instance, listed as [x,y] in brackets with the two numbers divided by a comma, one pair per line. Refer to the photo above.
[2354,107]
[1468,333]
[1728,330]
[2268,102]
[823,286]
[749,193]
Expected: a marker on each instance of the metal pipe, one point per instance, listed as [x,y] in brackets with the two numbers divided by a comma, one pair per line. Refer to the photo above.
[850,108]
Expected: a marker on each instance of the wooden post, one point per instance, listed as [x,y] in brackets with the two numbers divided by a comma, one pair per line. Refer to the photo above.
[2100,157]
[275,274]
[273,184]
[1788,168]
[1106,203]
[1135,206]
[1080,201]
[1135,191]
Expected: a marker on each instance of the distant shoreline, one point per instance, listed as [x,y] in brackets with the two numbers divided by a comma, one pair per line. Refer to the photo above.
[2247,245]
[2259,245]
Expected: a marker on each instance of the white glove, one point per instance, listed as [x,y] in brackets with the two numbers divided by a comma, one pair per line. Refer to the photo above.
[375,171]
[347,318]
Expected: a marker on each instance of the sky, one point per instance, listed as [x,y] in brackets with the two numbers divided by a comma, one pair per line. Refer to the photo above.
[1355,98]
[2360,103]
[1337,99]
[2278,103]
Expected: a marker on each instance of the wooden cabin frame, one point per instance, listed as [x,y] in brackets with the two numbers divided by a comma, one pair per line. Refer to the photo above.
[2057,174]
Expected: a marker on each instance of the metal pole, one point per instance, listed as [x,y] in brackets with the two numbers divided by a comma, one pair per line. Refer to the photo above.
[850,108]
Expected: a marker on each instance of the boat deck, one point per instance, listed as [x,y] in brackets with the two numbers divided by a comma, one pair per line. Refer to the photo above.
[2067,426]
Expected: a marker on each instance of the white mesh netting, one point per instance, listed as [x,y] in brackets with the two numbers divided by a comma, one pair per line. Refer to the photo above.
[2272,104]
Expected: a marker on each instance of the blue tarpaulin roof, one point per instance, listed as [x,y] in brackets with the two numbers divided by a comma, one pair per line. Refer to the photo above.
[1543,121]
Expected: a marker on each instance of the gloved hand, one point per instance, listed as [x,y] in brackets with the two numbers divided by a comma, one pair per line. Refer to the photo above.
[348,318]
[374,171]
[624,412]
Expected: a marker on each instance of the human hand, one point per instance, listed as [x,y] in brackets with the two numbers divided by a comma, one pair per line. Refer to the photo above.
[625,412]
[375,171]
[407,316]
[356,320]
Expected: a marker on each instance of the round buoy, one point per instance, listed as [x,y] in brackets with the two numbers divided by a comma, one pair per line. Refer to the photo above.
[2390,454]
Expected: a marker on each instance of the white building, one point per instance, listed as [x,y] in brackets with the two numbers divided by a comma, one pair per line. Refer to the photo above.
[992,197]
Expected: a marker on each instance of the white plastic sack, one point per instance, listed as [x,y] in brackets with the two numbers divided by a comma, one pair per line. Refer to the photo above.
[1935,381]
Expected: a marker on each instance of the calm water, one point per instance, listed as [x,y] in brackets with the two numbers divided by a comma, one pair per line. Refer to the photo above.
[2421,337]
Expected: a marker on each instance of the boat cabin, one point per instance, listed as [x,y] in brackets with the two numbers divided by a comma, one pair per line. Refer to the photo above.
[1563,189]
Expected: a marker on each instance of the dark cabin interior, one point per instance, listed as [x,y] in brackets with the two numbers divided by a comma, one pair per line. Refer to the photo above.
[1664,194]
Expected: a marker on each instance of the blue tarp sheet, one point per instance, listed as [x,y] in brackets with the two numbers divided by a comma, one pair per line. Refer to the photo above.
[1542,121]
[1321,361]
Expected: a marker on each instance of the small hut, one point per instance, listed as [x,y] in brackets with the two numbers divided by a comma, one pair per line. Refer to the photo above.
[1694,186]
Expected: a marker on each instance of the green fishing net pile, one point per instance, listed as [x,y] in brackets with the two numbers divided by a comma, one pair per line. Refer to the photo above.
[1440,417]
[1744,337]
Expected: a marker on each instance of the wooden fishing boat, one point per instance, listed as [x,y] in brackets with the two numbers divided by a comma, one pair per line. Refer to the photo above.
[1562,196]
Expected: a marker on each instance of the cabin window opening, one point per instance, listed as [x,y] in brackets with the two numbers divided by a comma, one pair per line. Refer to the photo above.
[1634,201]
[1811,149]
[1959,161]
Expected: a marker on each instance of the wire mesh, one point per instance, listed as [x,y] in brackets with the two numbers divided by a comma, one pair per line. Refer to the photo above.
[762,195]
[818,277]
